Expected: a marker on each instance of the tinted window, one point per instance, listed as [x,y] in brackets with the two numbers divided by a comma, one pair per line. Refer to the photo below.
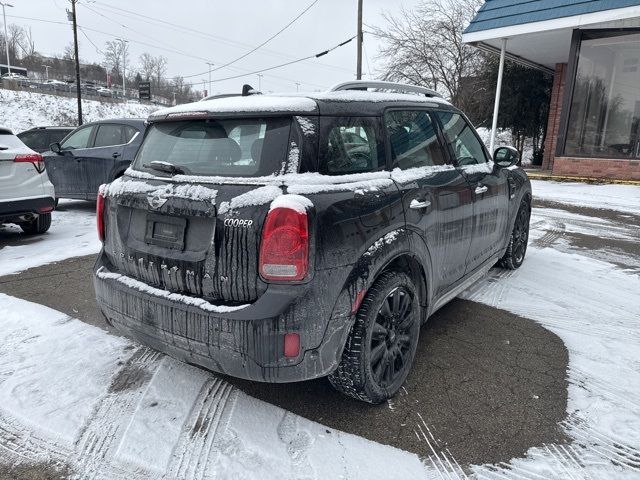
[109,134]
[79,139]
[243,148]
[37,140]
[413,139]
[350,145]
[57,135]
[465,143]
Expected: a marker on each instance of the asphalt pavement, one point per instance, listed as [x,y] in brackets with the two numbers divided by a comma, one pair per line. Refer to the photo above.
[487,384]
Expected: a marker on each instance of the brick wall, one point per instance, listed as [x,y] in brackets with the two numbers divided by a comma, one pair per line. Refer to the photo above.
[597,168]
[555,112]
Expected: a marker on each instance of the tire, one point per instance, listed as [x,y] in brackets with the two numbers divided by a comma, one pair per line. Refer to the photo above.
[38,225]
[514,256]
[387,328]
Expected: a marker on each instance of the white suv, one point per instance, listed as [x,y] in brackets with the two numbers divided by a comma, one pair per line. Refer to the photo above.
[26,194]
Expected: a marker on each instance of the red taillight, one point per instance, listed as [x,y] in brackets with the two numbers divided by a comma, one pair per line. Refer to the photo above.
[284,251]
[100,214]
[34,158]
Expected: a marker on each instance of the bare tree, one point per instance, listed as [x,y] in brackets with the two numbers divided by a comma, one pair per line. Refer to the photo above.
[159,68]
[147,65]
[423,46]
[113,56]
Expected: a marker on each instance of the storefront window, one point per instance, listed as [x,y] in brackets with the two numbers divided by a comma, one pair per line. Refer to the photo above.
[604,119]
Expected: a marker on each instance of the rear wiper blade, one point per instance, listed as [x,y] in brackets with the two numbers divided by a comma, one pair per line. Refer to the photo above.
[165,167]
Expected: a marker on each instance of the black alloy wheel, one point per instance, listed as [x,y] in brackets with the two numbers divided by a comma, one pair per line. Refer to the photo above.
[382,343]
[514,256]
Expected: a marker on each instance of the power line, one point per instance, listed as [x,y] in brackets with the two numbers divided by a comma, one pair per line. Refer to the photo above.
[268,39]
[318,55]
[198,33]
[90,41]
[289,80]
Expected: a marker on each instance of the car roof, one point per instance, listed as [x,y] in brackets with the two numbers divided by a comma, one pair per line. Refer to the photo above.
[135,122]
[50,127]
[346,102]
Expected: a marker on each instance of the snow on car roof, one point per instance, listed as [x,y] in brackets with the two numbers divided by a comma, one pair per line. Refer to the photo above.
[252,103]
[288,102]
[377,97]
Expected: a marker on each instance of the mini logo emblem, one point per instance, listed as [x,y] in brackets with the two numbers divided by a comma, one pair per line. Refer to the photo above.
[156,201]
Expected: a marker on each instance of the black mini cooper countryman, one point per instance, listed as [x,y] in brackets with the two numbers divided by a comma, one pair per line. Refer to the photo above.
[285,238]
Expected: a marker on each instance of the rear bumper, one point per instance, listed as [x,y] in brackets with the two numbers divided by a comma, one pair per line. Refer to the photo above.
[13,209]
[246,343]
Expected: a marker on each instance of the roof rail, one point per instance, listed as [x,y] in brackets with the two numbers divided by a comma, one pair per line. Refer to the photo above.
[400,87]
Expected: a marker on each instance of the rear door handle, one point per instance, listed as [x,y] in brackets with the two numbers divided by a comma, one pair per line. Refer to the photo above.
[419,204]
[481,189]
[115,155]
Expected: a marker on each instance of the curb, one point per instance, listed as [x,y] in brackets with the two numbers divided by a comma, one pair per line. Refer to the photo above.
[559,178]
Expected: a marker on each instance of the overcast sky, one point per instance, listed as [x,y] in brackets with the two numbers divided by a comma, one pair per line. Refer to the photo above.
[217,31]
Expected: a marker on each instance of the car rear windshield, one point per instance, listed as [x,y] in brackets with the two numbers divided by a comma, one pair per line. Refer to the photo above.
[229,147]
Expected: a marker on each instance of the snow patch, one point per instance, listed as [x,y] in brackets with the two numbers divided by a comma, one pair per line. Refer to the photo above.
[294,158]
[123,186]
[294,202]
[307,126]
[259,196]
[388,239]
[21,111]
[174,297]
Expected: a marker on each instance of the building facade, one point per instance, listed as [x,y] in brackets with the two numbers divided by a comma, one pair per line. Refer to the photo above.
[592,48]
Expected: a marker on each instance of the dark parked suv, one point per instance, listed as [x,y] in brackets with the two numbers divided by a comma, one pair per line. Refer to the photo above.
[285,238]
[91,155]
[40,139]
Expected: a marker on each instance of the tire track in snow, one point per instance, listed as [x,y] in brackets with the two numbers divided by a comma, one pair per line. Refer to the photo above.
[555,230]
[606,446]
[100,438]
[104,429]
[19,440]
[444,463]
[197,450]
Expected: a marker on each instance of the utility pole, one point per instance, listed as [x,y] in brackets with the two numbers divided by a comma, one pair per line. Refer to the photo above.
[297,87]
[77,59]
[210,67]
[124,66]
[46,69]
[6,37]
[260,82]
[360,38]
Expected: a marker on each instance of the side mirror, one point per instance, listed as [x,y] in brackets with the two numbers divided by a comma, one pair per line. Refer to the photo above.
[506,157]
[55,147]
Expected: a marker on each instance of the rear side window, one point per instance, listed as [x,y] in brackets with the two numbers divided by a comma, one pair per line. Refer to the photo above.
[413,139]
[350,145]
[36,140]
[463,139]
[109,134]
[234,147]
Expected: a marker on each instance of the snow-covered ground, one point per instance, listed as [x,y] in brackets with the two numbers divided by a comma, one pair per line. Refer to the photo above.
[623,198]
[72,234]
[20,110]
[127,412]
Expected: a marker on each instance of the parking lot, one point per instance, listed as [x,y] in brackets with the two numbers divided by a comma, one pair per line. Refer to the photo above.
[530,374]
